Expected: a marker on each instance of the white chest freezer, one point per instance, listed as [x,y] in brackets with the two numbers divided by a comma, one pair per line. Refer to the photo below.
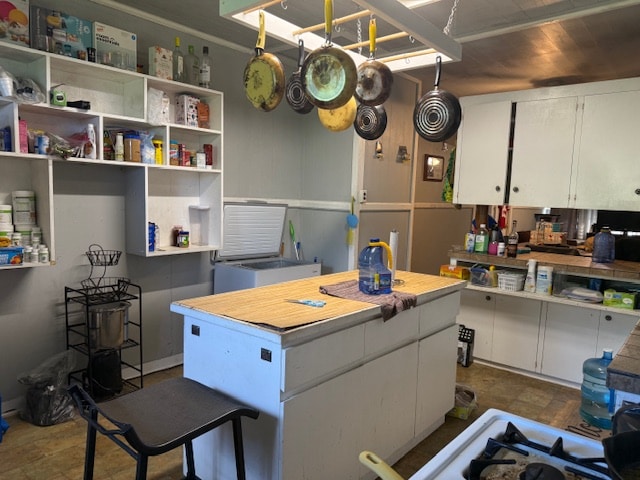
[250,251]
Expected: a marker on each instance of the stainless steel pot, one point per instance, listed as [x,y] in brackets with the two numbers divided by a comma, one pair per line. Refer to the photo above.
[108,324]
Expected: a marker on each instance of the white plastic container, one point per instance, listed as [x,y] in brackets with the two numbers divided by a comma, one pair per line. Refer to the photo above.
[6,214]
[43,254]
[36,236]
[24,207]
[544,280]
[24,229]
[530,281]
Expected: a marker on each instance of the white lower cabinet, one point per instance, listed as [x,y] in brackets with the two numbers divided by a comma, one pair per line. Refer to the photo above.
[546,337]
[570,337]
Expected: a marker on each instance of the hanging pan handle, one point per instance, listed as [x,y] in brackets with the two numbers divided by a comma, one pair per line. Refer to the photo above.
[372,37]
[438,68]
[261,34]
[328,20]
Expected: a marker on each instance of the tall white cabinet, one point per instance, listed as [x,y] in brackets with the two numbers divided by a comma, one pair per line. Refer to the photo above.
[160,193]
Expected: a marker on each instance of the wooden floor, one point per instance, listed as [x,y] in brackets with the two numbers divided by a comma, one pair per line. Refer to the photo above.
[29,452]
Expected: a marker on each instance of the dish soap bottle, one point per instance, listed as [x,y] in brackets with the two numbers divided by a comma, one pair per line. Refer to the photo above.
[374,277]
[482,240]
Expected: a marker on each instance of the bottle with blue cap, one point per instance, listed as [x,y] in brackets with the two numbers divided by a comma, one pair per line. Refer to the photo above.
[374,277]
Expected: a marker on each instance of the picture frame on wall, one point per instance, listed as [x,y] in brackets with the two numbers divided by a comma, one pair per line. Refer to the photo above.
[433,168]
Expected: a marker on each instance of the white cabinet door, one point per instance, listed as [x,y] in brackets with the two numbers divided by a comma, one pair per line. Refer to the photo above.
[321,430]
[516,326]
[482,152]
[570,337]
[608,175]
[388,400]
[614,330]
[477,311]
[543,152]
[436,377]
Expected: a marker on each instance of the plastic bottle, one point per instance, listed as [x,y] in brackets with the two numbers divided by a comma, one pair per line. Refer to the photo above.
[597,400]
[482,240]
[90,147]
[374,277]
[119,148]
[469,241]
[530,280]
[205,68]
[544,280]
[604,247]
[192,67]
[178,62]
[512,240]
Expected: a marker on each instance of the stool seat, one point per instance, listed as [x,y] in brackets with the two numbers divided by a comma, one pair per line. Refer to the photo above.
[159,418]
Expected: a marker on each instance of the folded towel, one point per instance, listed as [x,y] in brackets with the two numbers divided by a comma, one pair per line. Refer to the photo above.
[390,303]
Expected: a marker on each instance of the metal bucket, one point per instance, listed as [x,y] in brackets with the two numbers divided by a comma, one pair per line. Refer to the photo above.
[108,324]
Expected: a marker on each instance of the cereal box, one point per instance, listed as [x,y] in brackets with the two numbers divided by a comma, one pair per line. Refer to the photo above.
[11,256]
[161,63]
[56,32]
[115,47]
[187,110]
[14,21]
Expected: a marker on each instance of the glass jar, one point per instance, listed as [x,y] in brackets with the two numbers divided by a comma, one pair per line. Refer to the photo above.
[604,247]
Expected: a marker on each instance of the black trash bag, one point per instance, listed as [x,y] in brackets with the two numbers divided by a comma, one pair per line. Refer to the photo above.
[47,400]
[626,419]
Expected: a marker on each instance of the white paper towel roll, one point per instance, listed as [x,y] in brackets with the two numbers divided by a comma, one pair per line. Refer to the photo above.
[393,246]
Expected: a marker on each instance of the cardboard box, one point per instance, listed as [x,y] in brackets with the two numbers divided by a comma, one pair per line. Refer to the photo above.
[187,110]
[161,63]
[613,298]
[57,32]
[454,272]
[11,256]
[14,22]
[115,47]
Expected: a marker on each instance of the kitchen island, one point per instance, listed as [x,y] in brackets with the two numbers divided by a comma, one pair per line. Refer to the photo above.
[329,382]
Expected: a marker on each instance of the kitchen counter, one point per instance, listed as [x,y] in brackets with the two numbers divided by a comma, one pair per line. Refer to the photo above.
[567,264]
[623,372]
[329,382]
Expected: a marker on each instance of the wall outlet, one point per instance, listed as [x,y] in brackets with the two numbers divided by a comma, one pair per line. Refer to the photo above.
[363,196]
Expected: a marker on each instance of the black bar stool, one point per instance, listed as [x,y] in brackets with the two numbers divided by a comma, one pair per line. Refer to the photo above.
[159,418]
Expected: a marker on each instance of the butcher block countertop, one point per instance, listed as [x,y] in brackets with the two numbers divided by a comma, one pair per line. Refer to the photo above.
[623,373]
[267,306]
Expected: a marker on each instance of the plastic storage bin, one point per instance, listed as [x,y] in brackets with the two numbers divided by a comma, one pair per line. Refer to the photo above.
[513,282]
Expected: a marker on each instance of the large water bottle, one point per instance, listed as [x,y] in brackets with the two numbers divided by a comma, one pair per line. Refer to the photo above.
[597,399]
[604,246]
[374,277]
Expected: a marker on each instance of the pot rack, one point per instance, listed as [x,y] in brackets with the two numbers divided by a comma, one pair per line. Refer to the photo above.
[420,41]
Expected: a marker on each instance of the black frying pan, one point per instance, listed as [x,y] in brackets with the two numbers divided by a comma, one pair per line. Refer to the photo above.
[370,122]
[328,73]
[437,114]
[294,92]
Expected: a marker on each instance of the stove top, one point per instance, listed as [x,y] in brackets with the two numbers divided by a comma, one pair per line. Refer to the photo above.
[501,445]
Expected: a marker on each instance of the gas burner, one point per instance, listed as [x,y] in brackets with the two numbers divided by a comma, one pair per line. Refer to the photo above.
[541,471]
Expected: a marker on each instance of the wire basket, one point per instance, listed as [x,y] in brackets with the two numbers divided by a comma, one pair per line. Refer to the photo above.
[103,258]
[112,287]
[510,281]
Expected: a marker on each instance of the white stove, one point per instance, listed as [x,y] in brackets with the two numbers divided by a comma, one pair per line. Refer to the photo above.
[524,444]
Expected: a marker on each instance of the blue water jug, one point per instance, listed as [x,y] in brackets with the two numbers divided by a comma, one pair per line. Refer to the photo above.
[597,400]
[374,277]
[604,246]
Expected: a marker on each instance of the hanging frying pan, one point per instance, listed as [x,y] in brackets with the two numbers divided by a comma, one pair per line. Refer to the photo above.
[437,114]
[373,86]
[339,118]
[294,93]
[370,122]
[328,73]
[264,79]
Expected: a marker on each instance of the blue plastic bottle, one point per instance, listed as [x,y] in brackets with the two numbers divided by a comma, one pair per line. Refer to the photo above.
[604,246]
[597,399]
[374,277]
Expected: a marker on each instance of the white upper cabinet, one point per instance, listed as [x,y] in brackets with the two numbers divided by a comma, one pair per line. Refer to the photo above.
[573,146]
[608,176]
[482,153]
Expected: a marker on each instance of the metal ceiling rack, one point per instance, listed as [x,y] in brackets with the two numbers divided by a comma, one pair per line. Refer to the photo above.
[423,41]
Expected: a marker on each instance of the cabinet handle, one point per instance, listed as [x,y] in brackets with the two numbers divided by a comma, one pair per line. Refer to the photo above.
[637,191]
[608,318]
[487,298]
[516,189]
[498,188]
